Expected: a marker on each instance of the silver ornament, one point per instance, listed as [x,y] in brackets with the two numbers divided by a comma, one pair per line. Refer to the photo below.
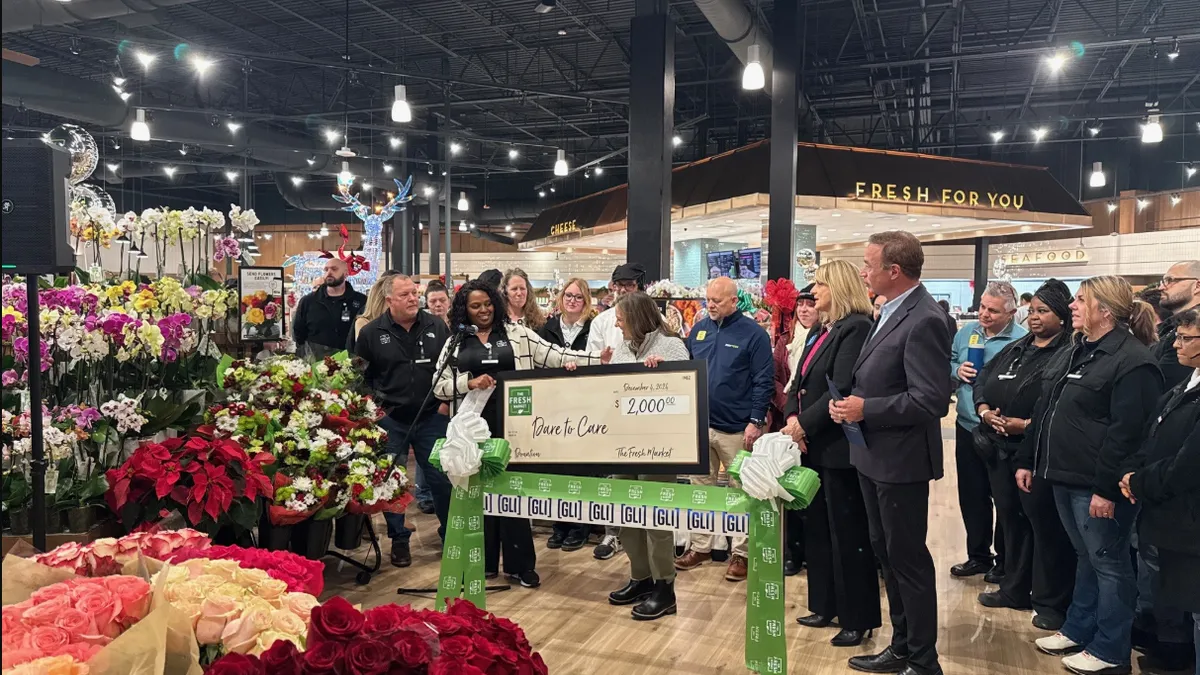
[810,272]
[104,199]
[806,257]
[84,153]
[85,194]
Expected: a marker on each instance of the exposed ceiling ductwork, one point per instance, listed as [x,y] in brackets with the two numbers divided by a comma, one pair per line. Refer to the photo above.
[26,14]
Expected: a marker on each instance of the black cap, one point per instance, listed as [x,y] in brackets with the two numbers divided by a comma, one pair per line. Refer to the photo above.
[630,272]
[806,293]
[492,278]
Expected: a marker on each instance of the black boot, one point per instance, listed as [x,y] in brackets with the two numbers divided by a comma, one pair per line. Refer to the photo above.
[634,591]
[660,603]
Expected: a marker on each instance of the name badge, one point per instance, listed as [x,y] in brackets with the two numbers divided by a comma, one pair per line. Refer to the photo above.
[421,361]
[490,361]
[1006,377]
[1074,376]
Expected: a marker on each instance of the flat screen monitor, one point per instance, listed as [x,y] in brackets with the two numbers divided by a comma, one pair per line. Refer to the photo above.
[749,263]
[722,264]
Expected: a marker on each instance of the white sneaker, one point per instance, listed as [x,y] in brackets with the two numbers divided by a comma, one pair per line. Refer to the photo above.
[607,548]
[1057,645]
[1086,664]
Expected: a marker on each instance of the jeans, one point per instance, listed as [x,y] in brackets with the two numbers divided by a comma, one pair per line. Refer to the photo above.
[424,436]
[422,493]
[1101,613]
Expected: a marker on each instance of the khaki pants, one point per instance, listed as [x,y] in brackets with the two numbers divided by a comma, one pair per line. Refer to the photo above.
[722,448]
[651,552]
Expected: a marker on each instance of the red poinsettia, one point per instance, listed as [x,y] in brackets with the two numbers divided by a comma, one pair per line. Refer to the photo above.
[213,482]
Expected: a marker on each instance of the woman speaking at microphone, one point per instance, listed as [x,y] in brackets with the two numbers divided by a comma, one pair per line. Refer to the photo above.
[496,347]
[651,553]
[842,581]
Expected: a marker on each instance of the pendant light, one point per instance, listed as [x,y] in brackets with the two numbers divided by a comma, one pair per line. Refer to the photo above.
[753,77]
[401,111]
[1097,178]
[140,131]
[462,202]
[560,164]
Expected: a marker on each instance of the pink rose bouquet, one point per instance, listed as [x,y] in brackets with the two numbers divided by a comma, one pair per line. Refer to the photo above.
[51,665]
[299,573]
[73,618]
[107,556]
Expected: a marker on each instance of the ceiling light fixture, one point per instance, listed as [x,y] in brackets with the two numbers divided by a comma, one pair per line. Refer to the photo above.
[541,193]
[297,181]
[553,189]
[753,77]
[232,176]
[140,131]
[387,168]
[1038,134]
[145,58]
[1174,52]
[428,191]
[1142,204]
[997,135]
[676,141]
[544,6]
[311,161]
[267,236]
[1175,199]
[462,227]
[124,95]
[183,150]
[233,126]
[560,164]
[1152,131]
[366,186]
[201,65]
[170,171]
[345,177]
[1189,170]
[1094,128]
[599,170]
[401,111]
[1056,61]
[508,228]
[1112,206]
[455,147]
[1097,179]
[394,141]
[462,201]
[513,154]
[331,135]
[113,167]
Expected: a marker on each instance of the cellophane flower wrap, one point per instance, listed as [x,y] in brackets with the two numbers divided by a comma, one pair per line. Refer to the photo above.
[322,431]
[212,482]
[108,556]
[74,618]
[396,639]
[299,573]
[234,609]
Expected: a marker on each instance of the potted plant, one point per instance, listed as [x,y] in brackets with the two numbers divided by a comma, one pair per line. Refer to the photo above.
[16,502]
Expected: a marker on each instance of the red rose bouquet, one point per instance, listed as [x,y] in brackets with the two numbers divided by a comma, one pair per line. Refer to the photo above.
[214,483]
[396,639]
[106,556]
[301,574]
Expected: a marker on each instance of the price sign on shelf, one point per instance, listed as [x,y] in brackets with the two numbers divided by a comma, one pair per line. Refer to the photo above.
[606,419]
[656,405]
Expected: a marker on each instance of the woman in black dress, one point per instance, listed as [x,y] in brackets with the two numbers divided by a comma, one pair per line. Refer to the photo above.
[842,580]
[499,347]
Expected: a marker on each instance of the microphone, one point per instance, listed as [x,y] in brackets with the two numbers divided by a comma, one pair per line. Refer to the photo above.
[468,330]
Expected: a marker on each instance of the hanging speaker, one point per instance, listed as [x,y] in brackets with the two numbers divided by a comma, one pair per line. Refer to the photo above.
[36,217]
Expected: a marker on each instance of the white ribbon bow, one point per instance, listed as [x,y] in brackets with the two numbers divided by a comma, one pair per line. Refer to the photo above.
[461,455]
[772,456]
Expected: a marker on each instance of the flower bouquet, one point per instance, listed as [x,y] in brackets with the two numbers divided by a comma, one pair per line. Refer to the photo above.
[107,556]
[300,574]
[262,316]
[214,483]
[396,639]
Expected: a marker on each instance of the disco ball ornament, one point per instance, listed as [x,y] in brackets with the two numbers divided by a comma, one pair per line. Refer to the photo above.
[85,194]
[1000,269]
[84,153]
[104,199]
[810,273]
[806,257]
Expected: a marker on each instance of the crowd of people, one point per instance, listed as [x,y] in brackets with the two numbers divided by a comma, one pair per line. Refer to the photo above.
[1075,424]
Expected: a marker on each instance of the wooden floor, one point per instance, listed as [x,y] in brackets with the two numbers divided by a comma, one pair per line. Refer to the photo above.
[569,621]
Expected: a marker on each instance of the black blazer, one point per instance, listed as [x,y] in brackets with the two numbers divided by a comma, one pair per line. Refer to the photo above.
[901,375]
[552,332]
[809,393]
[1168,492]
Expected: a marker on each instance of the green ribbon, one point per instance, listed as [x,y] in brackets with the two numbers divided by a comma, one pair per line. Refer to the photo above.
[462,560]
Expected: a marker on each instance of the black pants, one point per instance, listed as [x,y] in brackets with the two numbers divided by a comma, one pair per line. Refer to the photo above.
[1054,558]
[841,565]
[793,536]
[1018,532]
[898,515]
[975,500]
[515,535]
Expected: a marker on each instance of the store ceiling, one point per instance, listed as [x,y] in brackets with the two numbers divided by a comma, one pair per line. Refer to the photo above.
[534,82]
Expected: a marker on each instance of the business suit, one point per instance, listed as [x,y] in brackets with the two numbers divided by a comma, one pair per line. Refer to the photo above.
[841,566]
[901,377]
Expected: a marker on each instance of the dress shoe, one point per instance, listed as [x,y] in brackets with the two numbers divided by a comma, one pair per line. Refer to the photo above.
[426,507]
[913,671]
[1048,622]
[850,638]
[886,661]
[790,569]
[1144,641]
[401,556]
[574,541]
[971,568]
[1170,657]
[691,560]
[737,569]
[634,591]
[998,600]
[555,540]
[660,603]
[815,621]
[994,575]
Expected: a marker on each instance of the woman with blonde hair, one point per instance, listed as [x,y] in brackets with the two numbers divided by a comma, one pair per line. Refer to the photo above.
[842,582]
[518,293]
[376,305]
[1085,430]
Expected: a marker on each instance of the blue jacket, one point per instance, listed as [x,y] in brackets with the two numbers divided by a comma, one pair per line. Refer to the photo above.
[967,415]
[741,370]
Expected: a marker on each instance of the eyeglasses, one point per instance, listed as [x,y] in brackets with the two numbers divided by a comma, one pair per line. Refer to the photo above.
[1185,339]
[1170,281]
[572,297]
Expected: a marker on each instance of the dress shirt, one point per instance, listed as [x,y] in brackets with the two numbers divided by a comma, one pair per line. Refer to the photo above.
[571,330]
[890,308]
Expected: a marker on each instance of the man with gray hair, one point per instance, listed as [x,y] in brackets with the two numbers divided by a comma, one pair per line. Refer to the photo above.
[974,345]
[1180,292]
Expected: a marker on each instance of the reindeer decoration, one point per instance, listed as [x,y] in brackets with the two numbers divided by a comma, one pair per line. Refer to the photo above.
[365,267]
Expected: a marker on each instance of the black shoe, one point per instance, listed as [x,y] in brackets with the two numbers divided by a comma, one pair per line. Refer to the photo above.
[1169,657]
[425,507]
[660,603]
[574,541]
[555,540]
[1143,640]
[994,576]
[851,638]
[790,569]
[998,600]
[815,621]
[634,591]
[1048,622]
[886,661]
[529,579]
[910,671]
[491,575]
[971,568]
[401,556]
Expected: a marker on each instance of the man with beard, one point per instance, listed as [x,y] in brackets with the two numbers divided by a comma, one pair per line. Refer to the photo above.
[325,316]
[1180,292]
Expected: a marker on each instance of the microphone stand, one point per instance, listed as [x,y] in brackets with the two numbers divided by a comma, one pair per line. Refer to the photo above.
[451,357]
